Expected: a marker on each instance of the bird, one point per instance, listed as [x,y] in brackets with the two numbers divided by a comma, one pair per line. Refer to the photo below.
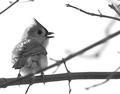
[30,55]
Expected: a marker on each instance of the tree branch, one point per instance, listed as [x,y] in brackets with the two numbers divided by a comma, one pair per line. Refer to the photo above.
[58,77]
[9,6]
[93,14]
[12,3]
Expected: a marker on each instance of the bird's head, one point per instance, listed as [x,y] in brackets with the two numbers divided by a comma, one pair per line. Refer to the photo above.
[38,32]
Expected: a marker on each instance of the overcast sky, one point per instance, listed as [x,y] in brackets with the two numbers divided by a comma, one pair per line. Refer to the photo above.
[73,31]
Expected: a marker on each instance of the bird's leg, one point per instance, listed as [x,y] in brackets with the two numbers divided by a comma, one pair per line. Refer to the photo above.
[43,77]
[19,76]
[42,74]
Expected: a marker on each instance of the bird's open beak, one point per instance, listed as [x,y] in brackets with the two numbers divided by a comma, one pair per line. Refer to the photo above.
[50,33]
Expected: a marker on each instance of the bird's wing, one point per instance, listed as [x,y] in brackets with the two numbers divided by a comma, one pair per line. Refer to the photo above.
[20,63]
[32,47]
[27,49]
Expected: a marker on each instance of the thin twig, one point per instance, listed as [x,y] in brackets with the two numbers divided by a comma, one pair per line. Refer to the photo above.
[93,14]
[107,79]
[9,6]
[57,66]
[65,66]
[27,89]
[69,80]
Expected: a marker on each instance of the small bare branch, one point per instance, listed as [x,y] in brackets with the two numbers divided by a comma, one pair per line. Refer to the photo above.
[107,79]
[27,88]
[100,12]
[65,66]
[69,86]
[30,84]
[12,3]
[69,80]
[93,14]
[57,66]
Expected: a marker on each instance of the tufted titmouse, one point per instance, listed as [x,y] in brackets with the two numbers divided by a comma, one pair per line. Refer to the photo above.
[30,54]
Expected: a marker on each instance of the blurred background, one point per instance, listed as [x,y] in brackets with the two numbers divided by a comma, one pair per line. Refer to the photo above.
[73,31]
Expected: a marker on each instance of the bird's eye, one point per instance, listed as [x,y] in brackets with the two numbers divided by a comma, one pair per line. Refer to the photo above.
[39,32]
